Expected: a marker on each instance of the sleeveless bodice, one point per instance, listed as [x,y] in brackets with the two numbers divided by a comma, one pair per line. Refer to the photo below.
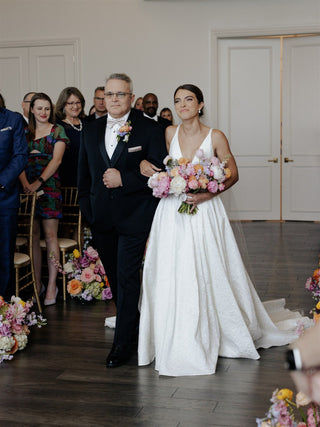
[206,146]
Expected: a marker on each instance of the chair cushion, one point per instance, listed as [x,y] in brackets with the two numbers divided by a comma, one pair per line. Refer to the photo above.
[20,259]
[20,241]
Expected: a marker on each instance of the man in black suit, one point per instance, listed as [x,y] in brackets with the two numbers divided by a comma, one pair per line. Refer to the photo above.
[99,105]
[116,201]
[26,107]
[150,108]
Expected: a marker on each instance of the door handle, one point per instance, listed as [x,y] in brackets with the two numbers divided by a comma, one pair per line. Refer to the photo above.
[274,160]
[287,160]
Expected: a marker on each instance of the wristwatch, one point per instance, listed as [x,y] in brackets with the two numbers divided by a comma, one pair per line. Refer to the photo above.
[40,179]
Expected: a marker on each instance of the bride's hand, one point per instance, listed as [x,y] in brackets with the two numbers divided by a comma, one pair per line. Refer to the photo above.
[196,198]
[148,169]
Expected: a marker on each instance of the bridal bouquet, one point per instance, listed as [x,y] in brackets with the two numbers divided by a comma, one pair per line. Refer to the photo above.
[285,412]
[87,276]
[182,177]
[15,320]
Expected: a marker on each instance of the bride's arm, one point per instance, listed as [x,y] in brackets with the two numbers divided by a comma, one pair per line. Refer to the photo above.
[222,150]
[148,169]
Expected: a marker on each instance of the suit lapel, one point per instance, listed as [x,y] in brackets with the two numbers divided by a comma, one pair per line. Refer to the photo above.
[121,144]
[101,129]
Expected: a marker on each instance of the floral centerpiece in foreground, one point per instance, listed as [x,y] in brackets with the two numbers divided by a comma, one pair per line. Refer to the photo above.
[313,285]
[182,176]
[15,321]
[284,412]
[88,280]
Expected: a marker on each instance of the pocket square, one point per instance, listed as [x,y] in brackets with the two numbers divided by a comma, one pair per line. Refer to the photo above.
[4,129]
[134,149]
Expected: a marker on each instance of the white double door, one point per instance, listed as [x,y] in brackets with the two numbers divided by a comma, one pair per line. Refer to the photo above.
[268,92]
[38,68]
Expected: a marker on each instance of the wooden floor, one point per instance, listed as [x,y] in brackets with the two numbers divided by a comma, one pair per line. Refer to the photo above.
[60,379]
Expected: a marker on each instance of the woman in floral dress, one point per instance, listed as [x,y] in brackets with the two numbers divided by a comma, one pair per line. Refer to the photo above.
[46,146]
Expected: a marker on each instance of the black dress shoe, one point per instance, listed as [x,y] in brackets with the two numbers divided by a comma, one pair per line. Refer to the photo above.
[118,356]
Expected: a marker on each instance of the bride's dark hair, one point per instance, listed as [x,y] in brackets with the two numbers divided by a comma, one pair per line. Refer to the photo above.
[194,89]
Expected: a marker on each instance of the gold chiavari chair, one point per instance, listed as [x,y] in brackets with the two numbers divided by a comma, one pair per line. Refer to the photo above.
[69,235]
[23,260]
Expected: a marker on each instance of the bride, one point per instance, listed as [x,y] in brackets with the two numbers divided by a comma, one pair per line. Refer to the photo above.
[197,300]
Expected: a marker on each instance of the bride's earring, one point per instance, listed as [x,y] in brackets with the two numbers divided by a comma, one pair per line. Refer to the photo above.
[199,111]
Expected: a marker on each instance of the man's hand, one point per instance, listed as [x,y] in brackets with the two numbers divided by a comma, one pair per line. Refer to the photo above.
[148,169]
[112,178]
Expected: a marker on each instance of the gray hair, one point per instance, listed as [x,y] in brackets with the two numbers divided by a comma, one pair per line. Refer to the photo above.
[121,76]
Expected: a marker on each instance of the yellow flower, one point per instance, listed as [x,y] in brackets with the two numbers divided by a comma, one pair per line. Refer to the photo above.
[284,394]
[101,285]
[318,306]
[76,253]
[22,303]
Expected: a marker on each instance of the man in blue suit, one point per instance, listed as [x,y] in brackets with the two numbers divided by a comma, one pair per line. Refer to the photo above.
[13,159]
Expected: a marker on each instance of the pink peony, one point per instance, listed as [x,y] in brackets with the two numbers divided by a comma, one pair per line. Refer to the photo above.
[221,187]
[215,161]
[200,153]
[87,275]
[98,278]
[92,253]
[213,186]
[193,184]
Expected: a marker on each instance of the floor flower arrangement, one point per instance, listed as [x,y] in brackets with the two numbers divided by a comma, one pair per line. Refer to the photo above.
[87,277]
[313,285]
[286,411]
[15,321]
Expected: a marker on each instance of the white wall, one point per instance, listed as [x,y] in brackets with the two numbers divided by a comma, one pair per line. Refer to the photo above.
[160,44]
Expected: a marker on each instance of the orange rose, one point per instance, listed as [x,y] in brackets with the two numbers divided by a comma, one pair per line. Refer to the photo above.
[227,172]
[175,171]
[183,161]
[316,274]
[203,181]
[198,167]
[162,175]
[74,287]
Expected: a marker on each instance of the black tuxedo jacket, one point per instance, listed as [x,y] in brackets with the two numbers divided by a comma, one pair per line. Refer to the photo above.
[164,122]
[130,208]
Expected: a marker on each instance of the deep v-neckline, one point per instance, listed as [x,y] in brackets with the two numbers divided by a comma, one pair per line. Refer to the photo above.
[194,156]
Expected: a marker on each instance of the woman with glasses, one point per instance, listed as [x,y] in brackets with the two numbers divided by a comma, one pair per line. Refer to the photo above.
[46,146]
[70,115]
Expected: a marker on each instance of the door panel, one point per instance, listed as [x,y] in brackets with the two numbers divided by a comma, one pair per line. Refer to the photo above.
[14,76]
[249,115]
[301,128]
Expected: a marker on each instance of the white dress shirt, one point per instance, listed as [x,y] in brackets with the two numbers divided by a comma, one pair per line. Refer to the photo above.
[155,118]
[110,137]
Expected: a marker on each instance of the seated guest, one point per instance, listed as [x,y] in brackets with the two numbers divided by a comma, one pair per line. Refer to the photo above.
[138,105]
[150,107]
[70,114]
[166,113]
[25,107]
[13,159]
[99,105]
[46,145]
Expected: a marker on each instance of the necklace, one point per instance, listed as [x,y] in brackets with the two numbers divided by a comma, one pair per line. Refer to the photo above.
[73,126]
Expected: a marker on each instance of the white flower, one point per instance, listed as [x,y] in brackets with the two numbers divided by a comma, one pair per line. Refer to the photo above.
[217,172]
[22,341]
[6,343]
[177,185]
[68,267]
[15,300]
[302,399]
[153,180]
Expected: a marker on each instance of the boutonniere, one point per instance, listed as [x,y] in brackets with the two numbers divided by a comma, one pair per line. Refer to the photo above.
[124,131]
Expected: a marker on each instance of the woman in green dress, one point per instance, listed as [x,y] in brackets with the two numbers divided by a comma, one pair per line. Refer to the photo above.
[46,146]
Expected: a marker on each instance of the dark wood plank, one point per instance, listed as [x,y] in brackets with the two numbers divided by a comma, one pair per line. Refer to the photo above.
[61,379]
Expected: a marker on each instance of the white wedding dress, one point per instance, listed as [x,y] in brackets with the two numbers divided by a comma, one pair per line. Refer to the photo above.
[197,300]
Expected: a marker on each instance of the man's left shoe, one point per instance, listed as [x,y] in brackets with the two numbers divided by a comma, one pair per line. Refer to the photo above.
[118,356]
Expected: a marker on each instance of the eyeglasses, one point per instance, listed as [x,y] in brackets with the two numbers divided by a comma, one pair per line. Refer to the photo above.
[72,104]
[98,99]
[119,95]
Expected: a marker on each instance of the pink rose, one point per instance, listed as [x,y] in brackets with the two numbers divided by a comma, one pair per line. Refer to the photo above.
[16,329]
[98,278]
[213,186]
[87,275]
[193,184]
[221,187]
